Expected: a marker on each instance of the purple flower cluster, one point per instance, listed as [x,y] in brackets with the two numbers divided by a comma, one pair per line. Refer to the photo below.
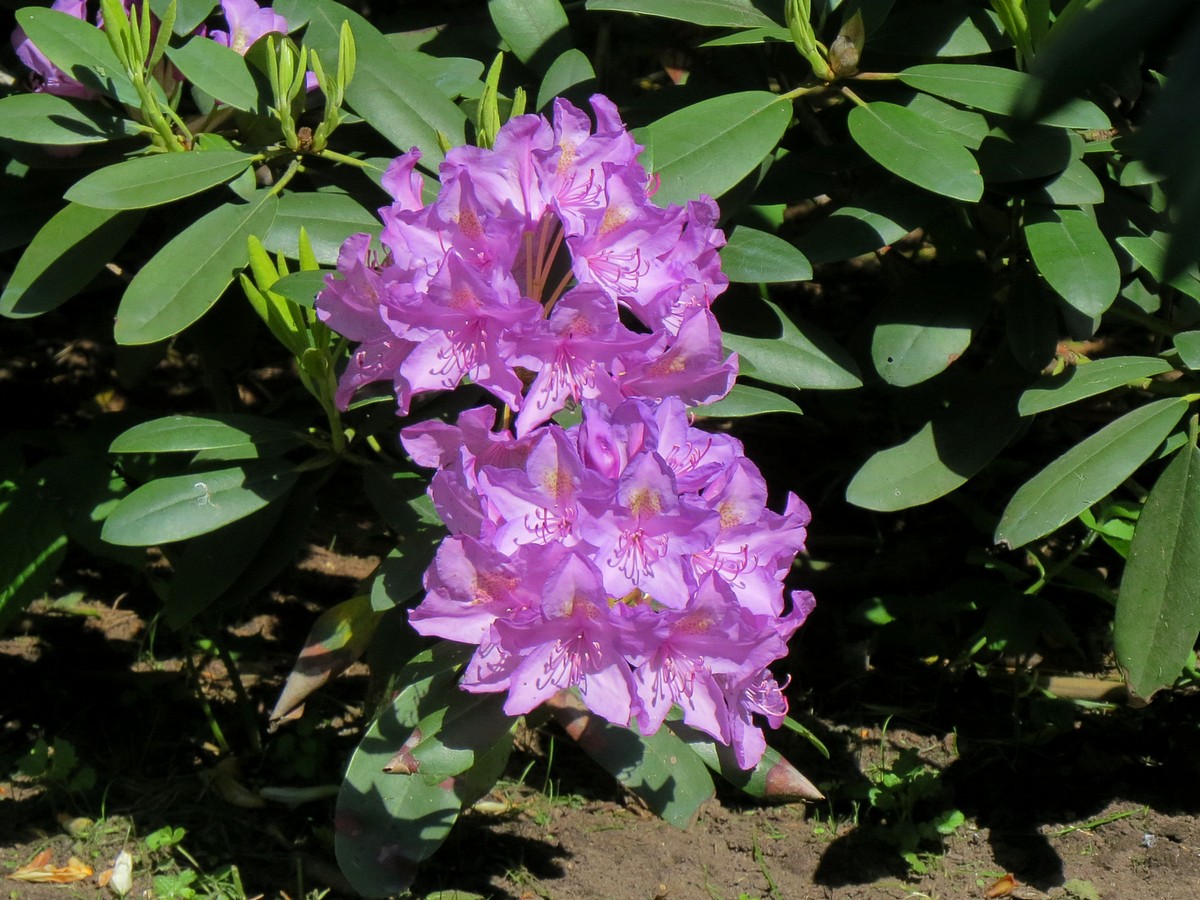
[630,557]
[516,275]
[247,23]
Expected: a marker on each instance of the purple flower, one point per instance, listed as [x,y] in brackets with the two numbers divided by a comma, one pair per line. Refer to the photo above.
[515,276]
[247,23]
[45,76]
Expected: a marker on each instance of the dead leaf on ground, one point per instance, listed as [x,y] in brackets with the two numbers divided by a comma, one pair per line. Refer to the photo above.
[43,871]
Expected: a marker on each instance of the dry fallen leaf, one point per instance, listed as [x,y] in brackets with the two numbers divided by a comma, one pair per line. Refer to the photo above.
[43,871]
[1001,887]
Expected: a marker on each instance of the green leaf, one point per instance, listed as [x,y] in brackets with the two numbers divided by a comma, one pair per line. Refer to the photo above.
[903,143]
[711,13]
[996,90]
[1076,185]
[968,128]
[536,31]
[220,72]
[450,740]
[187,276]
[794,359]
[1158,610]
[189,14]
[1074,256]
[755,256]
[301,287]
[877,219]
[33,534]
[154,180]
[387,90]
[660,768]
[964,28]
[1080,382]
[759,35]
[400,503]
[328,218]
[745,400]
[710,146]
[216,431]
[924,330]
[1187,345]
[939,458]
[387,822]
[80,49]
[1087,472]
[183,506]
[1150,252]
[572,72]
[46,119]
[1022,153]
[63,257]
[773,778]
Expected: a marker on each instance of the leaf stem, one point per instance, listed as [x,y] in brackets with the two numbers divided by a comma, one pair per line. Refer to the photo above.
[859,101]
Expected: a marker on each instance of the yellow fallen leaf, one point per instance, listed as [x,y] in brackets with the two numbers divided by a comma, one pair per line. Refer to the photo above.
[43,871]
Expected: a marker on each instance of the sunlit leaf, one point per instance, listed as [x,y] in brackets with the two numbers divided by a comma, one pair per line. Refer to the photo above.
[208,432]
[756,256]
[793,358]
[153,180]
[746,400]
[712,13]
[1075,258]
[1080,382]
[47,119]
[220,72]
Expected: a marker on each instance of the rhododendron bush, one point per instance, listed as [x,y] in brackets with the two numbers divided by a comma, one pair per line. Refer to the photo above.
[536,282]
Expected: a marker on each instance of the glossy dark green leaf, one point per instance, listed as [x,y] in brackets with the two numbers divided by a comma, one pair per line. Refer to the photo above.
[874,220]
[1158,608]
[390,93]
[187,276]
[400,504]
[80,49]
[536,31]
[1075,258]
[183,506]
[572,72]
[175,434]
[759,35]
[1076,185]
[450,740]
[939,458]
[963,28]
[746,400]
[387,822]
[189,14]
[1187,345]
[301,287]
[327,218]
[1150,252]
[923,331]
[755,256]
[154,180]
[660,768]
[63,257]
[712,13]
[794,359]
[220,72]
[968,128]
[1080,382]
[46,119]
[997,90]
[1022,153]
[774,778]
[710,146]
[1087,472]
[901,141]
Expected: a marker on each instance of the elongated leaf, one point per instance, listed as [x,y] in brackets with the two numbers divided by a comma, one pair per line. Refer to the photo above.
[570,73]
[80,49]
[968,128]
[177,508]
[63,257]
[1158,608]
[1187,345]
[1022,153]
[794,359]
[660,768]
[1081,382]
[878,218]
[220,72]
[46,119]
[993,89]
[902,142]
[1076,185]
[710,146]
[190,13]
[756,256]
[301,287]
[388,822]
[536,31]
[190,273]
[450,740]
[1150,251]
[388,91]
[1075,258]
[963,28]
[174,434]
[327,218]
[939,458]
[774,778]
[153,180]
[712,13]
[759,35]
[746,400]
[1087,472]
